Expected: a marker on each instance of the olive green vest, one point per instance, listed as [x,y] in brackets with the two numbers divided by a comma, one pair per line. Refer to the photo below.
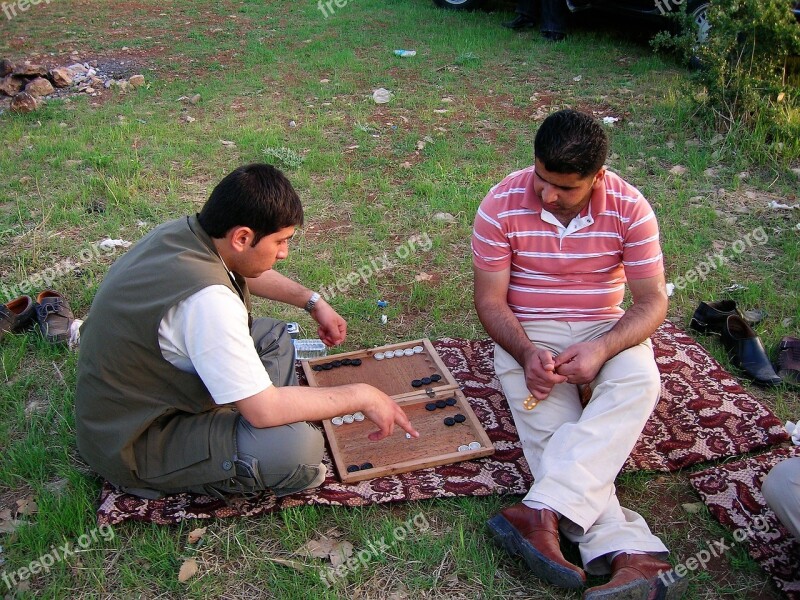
[130,400]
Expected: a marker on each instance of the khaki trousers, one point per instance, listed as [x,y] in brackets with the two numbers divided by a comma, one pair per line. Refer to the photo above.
[574,453]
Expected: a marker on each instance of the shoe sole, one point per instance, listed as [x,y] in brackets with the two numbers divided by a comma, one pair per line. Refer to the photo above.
[635,590]
[508,538]
[673,590]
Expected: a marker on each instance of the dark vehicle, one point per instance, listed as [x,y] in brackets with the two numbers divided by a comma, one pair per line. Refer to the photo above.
[654,9]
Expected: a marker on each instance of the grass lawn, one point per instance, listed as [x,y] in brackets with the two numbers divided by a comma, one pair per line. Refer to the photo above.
[278,81]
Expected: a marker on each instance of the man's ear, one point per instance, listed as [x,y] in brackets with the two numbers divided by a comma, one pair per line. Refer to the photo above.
[240,237]
[598,177]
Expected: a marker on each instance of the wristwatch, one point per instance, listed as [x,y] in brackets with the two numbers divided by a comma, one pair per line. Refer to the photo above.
[312,302]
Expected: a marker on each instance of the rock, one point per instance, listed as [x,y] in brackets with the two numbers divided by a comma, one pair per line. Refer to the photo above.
[193,100]
[692,507]
[10,85]
[77,68]
[24,103]
[136,80]
[39,87]
[30,70]
[6,67]
[443,216]
[61,77]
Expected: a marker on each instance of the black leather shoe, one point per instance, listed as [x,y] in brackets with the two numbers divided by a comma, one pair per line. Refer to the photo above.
[747,352]
[520,22]
[710,317]
[553,36]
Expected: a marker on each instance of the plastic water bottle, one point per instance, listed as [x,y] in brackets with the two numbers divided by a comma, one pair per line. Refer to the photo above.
[405,53]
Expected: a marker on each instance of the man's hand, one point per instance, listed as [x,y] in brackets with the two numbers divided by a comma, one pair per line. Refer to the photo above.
[332,327]
[540,372]
[580,363]
[386,413]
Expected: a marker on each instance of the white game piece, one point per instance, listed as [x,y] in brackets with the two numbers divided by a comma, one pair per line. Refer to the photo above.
[474,445]
[408,436]
[388,354]
[379,356]
[359,416]
[337,421]
[348,419]
[408,351]
[463,448]
[417,349]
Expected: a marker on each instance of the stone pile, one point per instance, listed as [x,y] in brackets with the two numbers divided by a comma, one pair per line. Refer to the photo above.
[27,83]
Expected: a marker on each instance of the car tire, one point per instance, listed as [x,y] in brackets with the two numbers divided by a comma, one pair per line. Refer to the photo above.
[698,10]
[458,4]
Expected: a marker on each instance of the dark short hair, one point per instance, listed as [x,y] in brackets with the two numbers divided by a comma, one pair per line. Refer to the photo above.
[257,196]
[569,141]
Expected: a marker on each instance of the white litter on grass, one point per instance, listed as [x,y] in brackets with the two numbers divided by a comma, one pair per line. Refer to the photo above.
[793,429]
[670,289]
[74,334]
[109,244]
[610,120]
[381,96]
[779,206]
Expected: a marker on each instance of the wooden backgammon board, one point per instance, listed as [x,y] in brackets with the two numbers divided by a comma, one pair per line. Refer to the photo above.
[417,379]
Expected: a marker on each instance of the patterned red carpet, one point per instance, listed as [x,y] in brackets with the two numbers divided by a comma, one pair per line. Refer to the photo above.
[733,494]
[704,414]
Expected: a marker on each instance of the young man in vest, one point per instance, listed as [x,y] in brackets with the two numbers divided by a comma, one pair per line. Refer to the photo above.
[178,389]
[553,246]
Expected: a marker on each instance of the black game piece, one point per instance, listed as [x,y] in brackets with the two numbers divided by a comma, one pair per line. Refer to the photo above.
[430,406]
[416,383]
[426,380]
[337,363]
[353,468]
[435,377]
[327,366]
[346,362]
[441,404]
[450,401]
[449,421]
[365,466]
[355,362]
[459,418]
[317,367]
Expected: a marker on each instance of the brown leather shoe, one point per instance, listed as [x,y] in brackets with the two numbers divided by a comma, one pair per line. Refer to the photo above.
[16,316]
[789,360]
[639,577]
[53,316]
[533,534]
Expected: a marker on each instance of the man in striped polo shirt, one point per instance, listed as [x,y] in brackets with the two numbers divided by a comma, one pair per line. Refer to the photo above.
[553,247]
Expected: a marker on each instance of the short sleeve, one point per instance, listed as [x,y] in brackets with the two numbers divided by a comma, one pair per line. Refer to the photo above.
[208,334]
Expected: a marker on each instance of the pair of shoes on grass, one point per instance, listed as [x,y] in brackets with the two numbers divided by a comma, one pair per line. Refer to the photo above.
[741,342]
[50,313]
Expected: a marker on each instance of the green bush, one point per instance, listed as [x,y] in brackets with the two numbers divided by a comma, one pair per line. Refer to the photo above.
[749,71]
